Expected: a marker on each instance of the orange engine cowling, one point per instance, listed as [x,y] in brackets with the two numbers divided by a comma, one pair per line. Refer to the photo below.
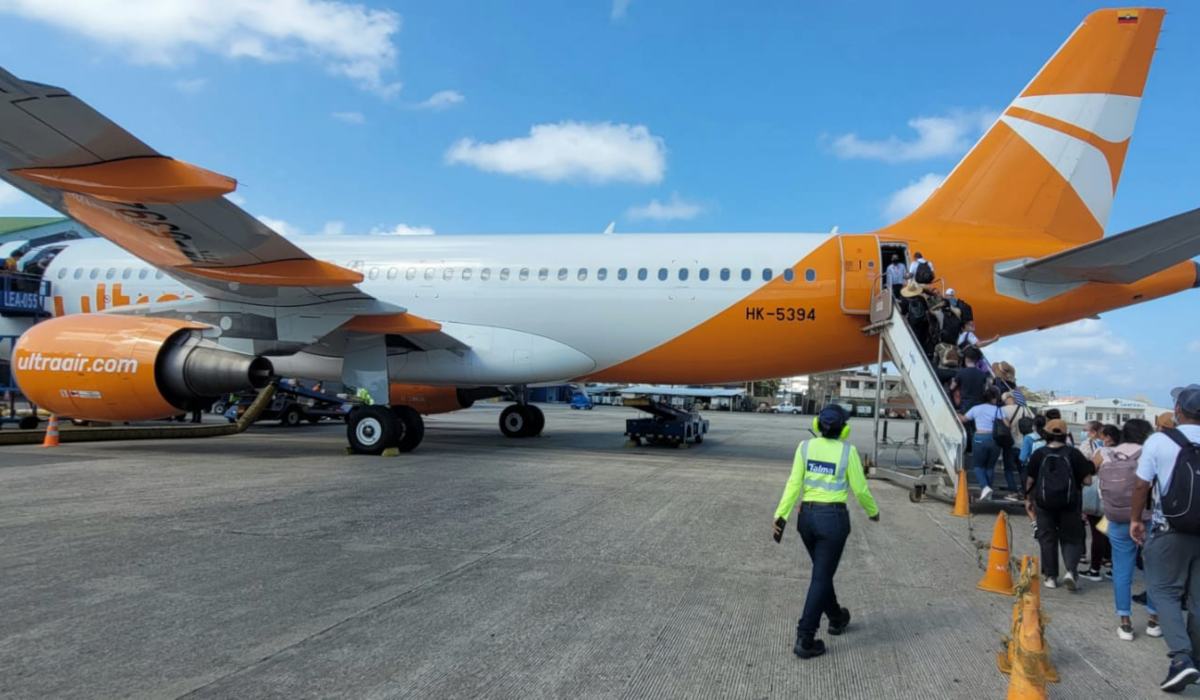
[426,399]
[120,368]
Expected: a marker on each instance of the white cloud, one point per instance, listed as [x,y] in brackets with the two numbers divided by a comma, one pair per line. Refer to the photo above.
[191,86]
[350,117]
[591,152]
[904,200]
[619,8]
[937,137]
[674,209]
[236,199]
[349,39]
[1085,357]
[403,230]
[338,228]
[442,100]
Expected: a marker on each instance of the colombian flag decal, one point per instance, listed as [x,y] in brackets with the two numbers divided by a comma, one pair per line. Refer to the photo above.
[1127,17]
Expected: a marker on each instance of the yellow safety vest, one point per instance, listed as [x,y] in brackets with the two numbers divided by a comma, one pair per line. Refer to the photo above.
[825,471]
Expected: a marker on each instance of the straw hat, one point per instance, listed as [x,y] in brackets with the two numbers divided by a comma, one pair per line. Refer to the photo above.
[912,289]
[1164,420]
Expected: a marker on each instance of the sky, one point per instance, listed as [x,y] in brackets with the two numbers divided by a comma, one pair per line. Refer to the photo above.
[455,117]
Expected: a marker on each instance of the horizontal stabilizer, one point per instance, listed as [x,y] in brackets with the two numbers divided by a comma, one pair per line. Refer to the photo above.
[1120,259]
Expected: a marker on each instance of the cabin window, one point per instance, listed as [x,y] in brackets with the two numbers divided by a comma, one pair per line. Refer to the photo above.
[111,273]
[643,273]
[724,274]
[582,275]
[788,274]
[373,273]
[745,274]
[428,273]
[562,274]
[602,274]
[93,274]
[62,273]
[466,275]
[448,274]
[622,274]
[524,274]
[485,274]
[767,274]
[683,274]
[158,274]
[142,274]
[543,274]
[126,273]
[410,274]
[810,275]
[393,273]
[704,274]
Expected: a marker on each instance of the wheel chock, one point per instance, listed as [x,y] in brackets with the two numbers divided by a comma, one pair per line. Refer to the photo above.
[390,452]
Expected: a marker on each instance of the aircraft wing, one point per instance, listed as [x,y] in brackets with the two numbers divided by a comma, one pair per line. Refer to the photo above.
[167,212]
[1119,259]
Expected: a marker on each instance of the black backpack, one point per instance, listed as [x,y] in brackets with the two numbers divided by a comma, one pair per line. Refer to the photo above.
[924,273]
[918,309]
[951,326]
[1002,433]
[1181,502]
[1055,487]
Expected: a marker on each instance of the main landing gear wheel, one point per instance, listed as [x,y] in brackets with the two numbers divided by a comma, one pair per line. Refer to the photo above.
[371,429]
[410,428]
[519,421]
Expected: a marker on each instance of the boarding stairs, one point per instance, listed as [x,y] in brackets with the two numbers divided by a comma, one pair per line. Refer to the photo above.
[943,431]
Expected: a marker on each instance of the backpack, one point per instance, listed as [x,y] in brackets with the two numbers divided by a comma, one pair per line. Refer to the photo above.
[924,273]
[1026,424]
[951,327]
[1117,477]
[918,309]
[1055,486]
[1002,433]
[1181,502]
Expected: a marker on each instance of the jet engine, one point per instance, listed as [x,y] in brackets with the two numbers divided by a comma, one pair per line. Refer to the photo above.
[120,368]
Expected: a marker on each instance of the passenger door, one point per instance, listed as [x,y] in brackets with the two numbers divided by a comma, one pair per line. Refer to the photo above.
[860,271]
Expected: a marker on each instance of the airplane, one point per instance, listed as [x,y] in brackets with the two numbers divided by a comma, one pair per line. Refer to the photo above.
[189,296]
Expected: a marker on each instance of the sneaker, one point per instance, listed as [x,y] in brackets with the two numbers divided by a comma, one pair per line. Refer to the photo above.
[1069,581]
[1049,582]
[808,648]
[1092,575]
[1125,632]
[836,628]
[1140,598]
[986,493]
[1034,533]
[1108,574]
[1153,630]
[1013,498]
[1180,675]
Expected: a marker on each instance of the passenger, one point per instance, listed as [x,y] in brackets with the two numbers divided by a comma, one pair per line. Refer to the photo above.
[1015,416]
[1164,421]
[952,321]
[1117,475]
[895,276]
[968,338]
[1057,473]
[917,314]
[1172,549]
[824,471]
[964,309]
[1092,441]
[984,448]
[1100,552]
[921,270]
[970,382]
[1033,441]
[1006,381]
[1055,414]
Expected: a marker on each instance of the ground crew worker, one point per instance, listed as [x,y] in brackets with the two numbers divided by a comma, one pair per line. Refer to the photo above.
[824,471]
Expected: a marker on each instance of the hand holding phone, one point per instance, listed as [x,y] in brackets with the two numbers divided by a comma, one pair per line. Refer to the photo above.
[780,523]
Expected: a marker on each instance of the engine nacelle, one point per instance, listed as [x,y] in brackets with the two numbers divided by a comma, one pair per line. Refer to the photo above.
[426,399]
[120,368]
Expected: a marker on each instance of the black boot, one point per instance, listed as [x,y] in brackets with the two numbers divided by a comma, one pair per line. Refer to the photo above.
[839,625]
[807,647]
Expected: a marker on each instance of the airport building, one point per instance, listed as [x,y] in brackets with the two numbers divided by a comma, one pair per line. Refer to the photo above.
[852,388]
[1080,410]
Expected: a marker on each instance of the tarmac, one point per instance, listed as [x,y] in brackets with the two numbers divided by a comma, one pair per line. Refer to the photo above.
[270,564]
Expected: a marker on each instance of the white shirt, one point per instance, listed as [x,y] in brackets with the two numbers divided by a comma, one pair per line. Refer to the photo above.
[967,338]
[895,273]
[1158,462]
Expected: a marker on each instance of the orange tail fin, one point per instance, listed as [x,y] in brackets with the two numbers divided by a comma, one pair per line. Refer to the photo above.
[1050,163]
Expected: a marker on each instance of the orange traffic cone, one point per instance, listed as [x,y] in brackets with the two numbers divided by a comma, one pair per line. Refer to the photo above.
[998,577]
[51,439]
[1028,680]
[962,499]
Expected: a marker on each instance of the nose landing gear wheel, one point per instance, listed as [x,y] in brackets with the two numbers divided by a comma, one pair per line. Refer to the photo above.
[410,428]
[371,429]
[519,421]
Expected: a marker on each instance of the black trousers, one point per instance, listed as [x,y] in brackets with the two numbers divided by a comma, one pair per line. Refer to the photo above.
[824,528]
[1060,529]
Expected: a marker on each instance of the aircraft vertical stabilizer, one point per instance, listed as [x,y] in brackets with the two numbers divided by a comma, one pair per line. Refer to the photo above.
[1051,162]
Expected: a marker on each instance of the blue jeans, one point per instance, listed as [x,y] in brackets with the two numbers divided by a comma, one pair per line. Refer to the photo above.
[824,528]
[984,453]
[1124,559]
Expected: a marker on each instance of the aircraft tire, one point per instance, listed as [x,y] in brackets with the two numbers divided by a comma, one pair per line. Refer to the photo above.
[410,428]
[515,421]
[371,429]
[537,420]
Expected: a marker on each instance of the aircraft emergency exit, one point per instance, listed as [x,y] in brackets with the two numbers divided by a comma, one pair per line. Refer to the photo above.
[190,297]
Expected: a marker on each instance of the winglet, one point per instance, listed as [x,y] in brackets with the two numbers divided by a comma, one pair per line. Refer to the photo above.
[147,179]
